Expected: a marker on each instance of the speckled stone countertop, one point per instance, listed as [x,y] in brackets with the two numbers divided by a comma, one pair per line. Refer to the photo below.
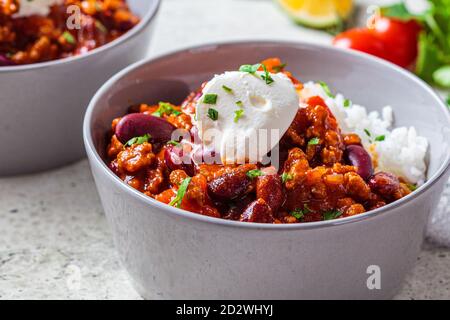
[54,239]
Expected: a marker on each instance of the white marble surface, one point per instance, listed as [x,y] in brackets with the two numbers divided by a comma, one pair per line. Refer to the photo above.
[54,239]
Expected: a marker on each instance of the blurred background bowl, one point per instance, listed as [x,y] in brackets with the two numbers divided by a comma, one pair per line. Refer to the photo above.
[175,254]
[43,104]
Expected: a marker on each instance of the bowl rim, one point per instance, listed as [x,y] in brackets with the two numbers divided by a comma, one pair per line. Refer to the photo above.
[97,161]
[133,32]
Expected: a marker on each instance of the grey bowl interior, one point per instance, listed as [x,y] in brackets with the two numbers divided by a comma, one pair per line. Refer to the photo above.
[365,80]
[43,104]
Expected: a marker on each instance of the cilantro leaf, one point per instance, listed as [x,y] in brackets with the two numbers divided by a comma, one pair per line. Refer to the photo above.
[181,192]
[213,114]
[238,114]
[252,174]
[210,98]
[332,214]
[138,140]
[250,68]
[165,108]
[286,177]
[314,141]
[326,88]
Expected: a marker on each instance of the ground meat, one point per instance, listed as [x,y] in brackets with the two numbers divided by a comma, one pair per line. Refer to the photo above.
[135,158]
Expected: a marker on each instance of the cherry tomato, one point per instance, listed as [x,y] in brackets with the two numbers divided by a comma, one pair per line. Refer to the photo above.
[361,39]
[400,39]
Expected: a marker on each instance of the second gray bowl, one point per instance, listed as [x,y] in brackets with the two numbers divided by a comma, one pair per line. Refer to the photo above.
[43,104]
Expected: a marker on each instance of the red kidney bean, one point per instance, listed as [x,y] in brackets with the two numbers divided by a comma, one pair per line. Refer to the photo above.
[357,156]
[258,211]
[175,160]
[229,186]
[5,61]
[139,124]
[236,208]
[270,189]
[384,184]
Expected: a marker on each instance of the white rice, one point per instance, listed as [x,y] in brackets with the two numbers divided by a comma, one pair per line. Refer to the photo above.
[402,152]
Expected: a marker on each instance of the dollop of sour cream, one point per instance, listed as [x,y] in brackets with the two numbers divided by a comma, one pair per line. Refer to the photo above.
[36,7]
[242,116]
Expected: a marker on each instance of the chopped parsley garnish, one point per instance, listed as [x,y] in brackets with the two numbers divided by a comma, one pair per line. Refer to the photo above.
[380,138]
[210,98]
[286,177]
[165,108]
[69,37]
[279,68]
[238,114]
[181,192]
[332,214]
[252,174]
[227,89]
[138,140]
[326,88]
[314,141]
[297,214]
[239,103]
[173,142]
[300,213]
[367,132]
[347,103]
[250,68]
[412,187]
[266,76]
[213,114]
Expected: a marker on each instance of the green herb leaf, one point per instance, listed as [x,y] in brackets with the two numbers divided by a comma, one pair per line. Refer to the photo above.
[250,68]
[173,142]
[69,37]
[227,89]
[252,174]
[367,132]
[138,140]
[297,214]
[213,114]
[239,103]
[380,138]
[326,88]
[181,192]
[210,98]
[286,177]
[442,76]
[313,141]
[347,103]
[165,108]
[238,114]
[300,213]
[266,76]
[279,68]
[332,214]
[412,187]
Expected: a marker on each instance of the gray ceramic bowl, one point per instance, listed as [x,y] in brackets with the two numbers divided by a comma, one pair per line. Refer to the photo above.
[171,253]
[43,104]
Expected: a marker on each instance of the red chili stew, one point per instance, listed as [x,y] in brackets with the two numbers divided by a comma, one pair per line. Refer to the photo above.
[323,175]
